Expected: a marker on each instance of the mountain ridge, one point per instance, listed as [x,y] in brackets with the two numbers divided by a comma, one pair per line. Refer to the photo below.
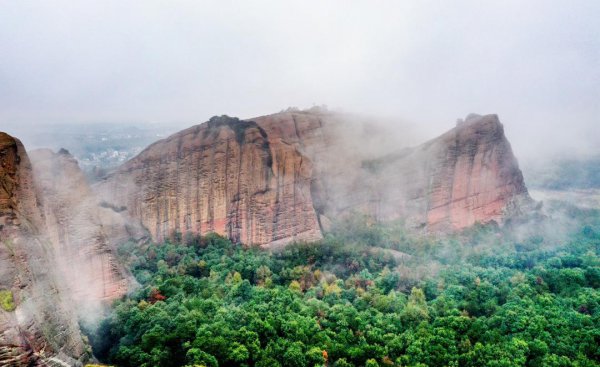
[277,178]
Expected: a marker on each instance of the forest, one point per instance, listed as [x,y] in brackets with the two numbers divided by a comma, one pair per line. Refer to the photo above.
[368,294]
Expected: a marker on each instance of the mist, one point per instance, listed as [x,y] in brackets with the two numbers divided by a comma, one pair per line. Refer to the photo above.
[536,64]
[436,169]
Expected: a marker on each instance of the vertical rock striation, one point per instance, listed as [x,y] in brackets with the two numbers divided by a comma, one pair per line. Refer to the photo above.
[280,178]
[84,234]
[40,324]
[478,179]
[226,176]
[467,175]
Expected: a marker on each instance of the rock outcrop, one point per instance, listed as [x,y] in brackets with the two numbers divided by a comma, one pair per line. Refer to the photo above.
[280,178]
[36,320]
[83,233]
[467,175]
[226,176]
[57,256]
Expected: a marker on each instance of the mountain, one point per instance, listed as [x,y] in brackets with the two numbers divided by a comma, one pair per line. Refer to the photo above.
[57,256]
[284,177]
[36,320]
[268,181]
[467,175]
[84,234]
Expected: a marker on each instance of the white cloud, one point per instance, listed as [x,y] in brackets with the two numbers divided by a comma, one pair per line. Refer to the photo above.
[534,63]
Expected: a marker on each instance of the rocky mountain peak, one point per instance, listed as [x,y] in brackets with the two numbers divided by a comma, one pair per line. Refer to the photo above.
[280,178]
[41,322]
[57,262]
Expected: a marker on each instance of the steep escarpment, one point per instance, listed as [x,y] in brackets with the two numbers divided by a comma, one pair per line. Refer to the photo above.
[83,233]
[478,179]
[283,177]
[36,320]
[226,176]
[467,175]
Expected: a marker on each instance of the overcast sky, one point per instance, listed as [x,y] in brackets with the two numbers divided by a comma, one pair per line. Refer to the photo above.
[535,63]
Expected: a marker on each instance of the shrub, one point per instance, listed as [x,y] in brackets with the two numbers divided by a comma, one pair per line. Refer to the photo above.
[7,301]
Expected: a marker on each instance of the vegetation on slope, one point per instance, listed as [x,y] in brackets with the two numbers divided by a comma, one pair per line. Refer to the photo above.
[7,302]
[481,298]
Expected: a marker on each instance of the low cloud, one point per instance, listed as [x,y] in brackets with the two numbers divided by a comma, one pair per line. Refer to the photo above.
[536,64]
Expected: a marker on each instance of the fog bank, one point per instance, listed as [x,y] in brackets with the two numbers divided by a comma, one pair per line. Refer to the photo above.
[536,64]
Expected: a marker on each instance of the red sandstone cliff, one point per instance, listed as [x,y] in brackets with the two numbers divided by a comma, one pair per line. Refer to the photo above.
[279,178]
[41,325]
[467,175]
[226,176]
[57,255]
[479,179]
[83,233]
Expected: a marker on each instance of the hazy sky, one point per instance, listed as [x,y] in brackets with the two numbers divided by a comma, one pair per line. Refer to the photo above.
[535,63]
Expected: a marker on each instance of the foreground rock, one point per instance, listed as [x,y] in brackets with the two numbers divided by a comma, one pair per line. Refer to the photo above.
[36,320]
[58,262]
[83,233]
[283,177]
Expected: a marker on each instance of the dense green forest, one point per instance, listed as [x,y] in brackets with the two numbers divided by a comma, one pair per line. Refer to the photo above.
[366,295]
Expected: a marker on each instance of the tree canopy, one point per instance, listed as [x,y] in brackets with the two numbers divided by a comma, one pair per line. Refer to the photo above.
[481,298]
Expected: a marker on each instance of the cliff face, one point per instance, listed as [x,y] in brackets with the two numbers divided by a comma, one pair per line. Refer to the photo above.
[226,176]
[279,178]
[38,323]
[57,256]
[84,234]
[467,175]
[478,179]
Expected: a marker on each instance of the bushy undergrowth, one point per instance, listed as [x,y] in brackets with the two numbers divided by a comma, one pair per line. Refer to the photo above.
[7,301]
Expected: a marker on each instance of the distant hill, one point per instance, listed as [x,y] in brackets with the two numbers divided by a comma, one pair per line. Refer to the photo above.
[565,174]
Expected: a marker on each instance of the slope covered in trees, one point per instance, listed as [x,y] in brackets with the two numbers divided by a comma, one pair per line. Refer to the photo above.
[364,296]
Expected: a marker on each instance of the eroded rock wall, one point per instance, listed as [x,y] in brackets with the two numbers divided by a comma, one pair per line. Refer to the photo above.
[83,233]
[467,175]
[40,323]
[283,177]
[226,176]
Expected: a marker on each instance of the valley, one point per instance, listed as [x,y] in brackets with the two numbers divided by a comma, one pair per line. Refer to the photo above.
[387,256]
[299,183]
